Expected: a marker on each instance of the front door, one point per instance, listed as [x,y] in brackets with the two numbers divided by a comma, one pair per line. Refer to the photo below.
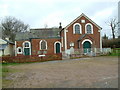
[87,47]
[57,48]
[26,51]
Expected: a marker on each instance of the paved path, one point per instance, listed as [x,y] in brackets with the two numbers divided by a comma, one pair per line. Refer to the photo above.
[94,72]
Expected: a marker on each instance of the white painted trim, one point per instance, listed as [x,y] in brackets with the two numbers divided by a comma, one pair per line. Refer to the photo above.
[91,28]
[15,48]
[55,46]
[18,50]
[87,40]
[26,42]
[100,41]
[79,26]
[62,41]
[40,44]
[65,39]
[26,47]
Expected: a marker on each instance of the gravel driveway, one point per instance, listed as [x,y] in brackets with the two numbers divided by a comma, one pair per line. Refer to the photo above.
[92,72]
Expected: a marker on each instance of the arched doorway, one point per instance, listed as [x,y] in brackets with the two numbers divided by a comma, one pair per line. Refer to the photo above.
[27,48]
[87,46]
[26,51]
[57,47]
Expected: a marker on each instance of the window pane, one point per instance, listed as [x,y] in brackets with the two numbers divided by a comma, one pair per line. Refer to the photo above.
[77,29]
[26,44]
[89,29]
[19,50]
[43,45]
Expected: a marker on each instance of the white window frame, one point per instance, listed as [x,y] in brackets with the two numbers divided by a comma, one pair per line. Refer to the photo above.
[55,46]
[46,44]
[18,50]
[74,28]
[27,47]
[91,28]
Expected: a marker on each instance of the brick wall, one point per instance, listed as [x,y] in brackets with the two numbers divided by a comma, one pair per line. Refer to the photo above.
[36,46]
[74,37]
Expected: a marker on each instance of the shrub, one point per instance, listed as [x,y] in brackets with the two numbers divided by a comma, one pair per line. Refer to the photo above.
[113,43]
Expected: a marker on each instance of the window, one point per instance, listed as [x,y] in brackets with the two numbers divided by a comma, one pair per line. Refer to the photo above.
[26,44]
[43,45]
[89,28]
[82,21]
[19,50]
[77,28]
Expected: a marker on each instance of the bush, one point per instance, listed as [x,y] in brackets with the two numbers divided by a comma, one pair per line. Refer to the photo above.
[113,43]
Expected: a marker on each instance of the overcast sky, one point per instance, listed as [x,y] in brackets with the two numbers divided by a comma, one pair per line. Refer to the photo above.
[38,13]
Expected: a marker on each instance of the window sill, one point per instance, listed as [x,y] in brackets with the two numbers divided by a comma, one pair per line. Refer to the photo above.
[43,49]
[77,33]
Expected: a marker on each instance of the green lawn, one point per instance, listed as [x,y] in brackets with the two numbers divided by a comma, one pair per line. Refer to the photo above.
[115,52]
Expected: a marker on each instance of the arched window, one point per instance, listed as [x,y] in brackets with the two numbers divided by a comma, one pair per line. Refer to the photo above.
[77,28]
[26,44]
[43,45]
[19,50]
[89,28]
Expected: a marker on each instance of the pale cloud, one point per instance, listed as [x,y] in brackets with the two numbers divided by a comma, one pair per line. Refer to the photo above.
[52,20]
[102,17]
[104,13]
[37,13]
[4,10]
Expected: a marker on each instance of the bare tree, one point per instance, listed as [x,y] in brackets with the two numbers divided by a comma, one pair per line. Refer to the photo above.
[105,37]
[113,24]
[11,25]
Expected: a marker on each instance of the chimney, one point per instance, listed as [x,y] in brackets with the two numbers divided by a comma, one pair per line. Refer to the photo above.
[60,27]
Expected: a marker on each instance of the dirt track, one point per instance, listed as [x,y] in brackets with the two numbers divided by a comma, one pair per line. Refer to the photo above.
[95,72]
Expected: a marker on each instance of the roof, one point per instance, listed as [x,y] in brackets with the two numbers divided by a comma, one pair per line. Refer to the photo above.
[2,41]
[42,33]
[5,41]
[84,35]
[80,38]
[23,36]
[10,42]
[85,17]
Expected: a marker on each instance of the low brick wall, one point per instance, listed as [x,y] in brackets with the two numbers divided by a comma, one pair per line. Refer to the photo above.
[31,58]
